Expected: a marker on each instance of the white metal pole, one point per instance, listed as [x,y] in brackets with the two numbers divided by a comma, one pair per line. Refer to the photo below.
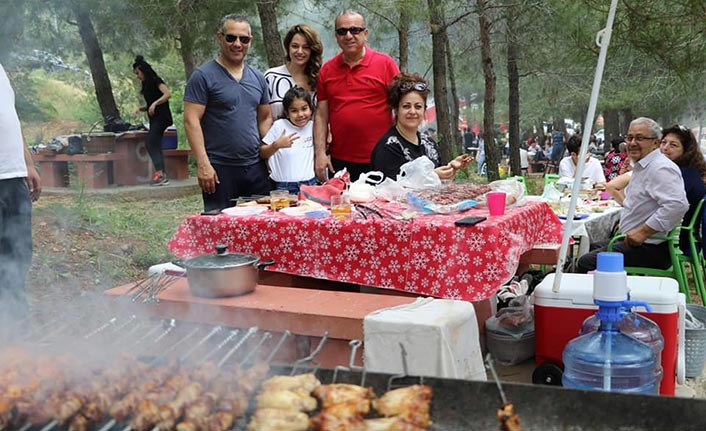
[602,40]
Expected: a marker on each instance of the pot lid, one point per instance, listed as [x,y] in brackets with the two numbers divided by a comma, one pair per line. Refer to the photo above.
[221,259]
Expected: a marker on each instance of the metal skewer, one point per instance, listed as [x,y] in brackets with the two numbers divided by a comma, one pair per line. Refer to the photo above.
[108,425]
[491,367]
[232,334]
[311,356]
[240,342]
[50,425]
[196,345]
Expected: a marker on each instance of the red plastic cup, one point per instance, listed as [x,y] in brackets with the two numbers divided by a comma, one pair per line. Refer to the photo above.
[496,203]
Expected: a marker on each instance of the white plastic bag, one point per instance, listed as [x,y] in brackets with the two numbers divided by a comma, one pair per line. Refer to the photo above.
[390,191]
[514,191]
[418,174]
[363,189]
[550,193]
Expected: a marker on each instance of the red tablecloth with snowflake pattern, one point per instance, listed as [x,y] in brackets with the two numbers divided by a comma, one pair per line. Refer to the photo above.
[428,255]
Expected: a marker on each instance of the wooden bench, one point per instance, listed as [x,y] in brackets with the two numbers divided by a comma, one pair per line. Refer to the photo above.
[90,170]
[176,163]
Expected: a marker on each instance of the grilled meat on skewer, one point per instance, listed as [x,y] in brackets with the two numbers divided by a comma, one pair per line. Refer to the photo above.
[304,383]
[277,420]
[410,403]
[338,393]
[286,400]
[391,424]
[330,420]
[509,421]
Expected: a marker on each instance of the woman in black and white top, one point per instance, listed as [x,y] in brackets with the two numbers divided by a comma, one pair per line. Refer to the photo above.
[407,95]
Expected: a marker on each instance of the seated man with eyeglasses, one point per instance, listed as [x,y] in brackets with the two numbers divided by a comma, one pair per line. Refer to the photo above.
[655,202]
[352,101]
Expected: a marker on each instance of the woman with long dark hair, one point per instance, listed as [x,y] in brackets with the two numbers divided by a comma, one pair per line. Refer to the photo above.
[156,94]
[303,59]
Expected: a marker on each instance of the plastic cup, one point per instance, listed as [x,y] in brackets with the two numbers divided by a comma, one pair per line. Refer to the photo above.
[341,206]
[279,199]
[496,203]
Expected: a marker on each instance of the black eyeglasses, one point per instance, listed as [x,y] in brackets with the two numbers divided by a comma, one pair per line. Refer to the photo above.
[416,86]
[639,138]
[341,31]
[230,38]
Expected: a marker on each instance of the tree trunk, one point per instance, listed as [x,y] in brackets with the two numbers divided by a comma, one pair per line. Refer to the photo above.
[403,36]
[186,50]
[438,42]
[267,9]
[94,55]
[627,117]
[492,155]
[456,114]
[611,124]
[513,82]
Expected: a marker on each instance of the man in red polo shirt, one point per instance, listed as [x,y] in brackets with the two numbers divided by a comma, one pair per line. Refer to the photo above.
[352,100]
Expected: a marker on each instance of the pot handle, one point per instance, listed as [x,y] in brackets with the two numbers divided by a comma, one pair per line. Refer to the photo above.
[265,263]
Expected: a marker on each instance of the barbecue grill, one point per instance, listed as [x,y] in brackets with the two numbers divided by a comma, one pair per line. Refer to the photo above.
[159,345]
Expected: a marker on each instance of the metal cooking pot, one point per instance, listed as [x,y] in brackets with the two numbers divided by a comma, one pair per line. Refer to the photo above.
[223,274]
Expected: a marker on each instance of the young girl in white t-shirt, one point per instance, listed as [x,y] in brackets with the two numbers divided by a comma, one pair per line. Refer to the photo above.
[289,144]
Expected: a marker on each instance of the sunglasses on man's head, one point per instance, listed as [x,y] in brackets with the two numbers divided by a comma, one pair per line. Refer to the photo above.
[230,38]
[416,86]
[341,31]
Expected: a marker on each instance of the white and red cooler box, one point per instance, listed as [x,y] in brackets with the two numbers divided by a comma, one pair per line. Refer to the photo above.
[558,318]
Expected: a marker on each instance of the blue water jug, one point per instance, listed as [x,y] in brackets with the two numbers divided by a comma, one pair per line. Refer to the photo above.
[636,326]
[608,359]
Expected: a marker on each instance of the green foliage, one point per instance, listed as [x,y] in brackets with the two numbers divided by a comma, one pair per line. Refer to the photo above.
[657,45]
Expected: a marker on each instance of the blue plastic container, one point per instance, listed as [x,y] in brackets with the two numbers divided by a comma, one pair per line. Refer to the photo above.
[169,139]
[636,326]
[608,359]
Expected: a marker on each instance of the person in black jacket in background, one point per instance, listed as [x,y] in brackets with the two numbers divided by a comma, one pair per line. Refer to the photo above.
[156,94]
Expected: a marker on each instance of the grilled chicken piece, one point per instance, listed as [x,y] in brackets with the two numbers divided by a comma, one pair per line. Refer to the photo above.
[233,402]
[186,426]
[167,417]
[391,424]
[146,415]
[304,383]
[79,423]
[338,393]
[123,408]
[410,403]
[277,420]
[330,420]
[249,379]
[285,400]
[509,421]
[6,415]
[220,421]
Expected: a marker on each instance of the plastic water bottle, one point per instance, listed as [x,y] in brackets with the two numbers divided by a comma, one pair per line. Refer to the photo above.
[607,359]
[637,326]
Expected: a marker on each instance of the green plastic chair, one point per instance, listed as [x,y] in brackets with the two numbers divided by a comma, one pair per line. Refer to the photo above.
[695,260]
[675,271]
[551,179]
[521,179]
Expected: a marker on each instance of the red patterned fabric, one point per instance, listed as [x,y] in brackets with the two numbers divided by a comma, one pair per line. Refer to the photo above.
[428,255]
